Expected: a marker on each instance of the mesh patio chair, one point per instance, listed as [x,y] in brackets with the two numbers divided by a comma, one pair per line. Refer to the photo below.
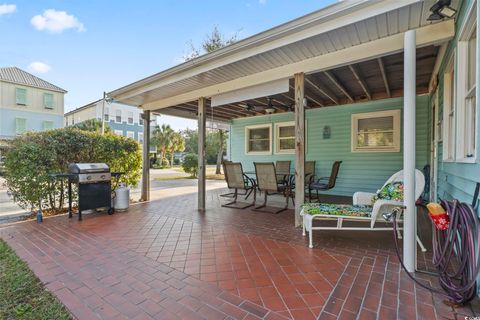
[324,183]
[309,175]
[236,180]
[229,194]
[267,182]
[283,167]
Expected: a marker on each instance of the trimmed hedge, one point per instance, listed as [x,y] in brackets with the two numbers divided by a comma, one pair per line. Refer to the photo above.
[34,156]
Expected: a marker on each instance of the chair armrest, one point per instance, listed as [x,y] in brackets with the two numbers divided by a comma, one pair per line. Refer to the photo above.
[362,198]
[383,206]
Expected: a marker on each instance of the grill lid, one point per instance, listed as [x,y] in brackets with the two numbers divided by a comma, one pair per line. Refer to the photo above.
[79,168]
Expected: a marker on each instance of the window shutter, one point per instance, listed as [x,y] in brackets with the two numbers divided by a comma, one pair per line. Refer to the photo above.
[48,100]
[21,96]
[20,125]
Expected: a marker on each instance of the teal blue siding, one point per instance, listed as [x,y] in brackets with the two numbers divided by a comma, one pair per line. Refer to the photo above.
[34,121]
[124,126]
[456,180]
[359,171]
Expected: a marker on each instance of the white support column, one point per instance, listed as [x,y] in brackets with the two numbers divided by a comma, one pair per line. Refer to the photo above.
[299,145]
[201,153]
[146,157]
[410,215]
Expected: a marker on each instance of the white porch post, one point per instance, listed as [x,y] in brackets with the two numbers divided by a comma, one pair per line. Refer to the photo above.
[201,153]
[146,159]
[299,145]
[410,216]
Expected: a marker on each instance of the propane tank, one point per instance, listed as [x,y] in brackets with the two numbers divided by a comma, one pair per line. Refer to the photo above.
[122,197]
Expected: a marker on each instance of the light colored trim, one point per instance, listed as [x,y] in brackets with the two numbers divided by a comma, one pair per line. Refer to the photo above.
[278,125]
[330,18]
[448,79]
[431,34]
[133,118]
[257,126]
[396,114]
[118,132]
[463,92]
[116,115]
[132,133]
[433,83]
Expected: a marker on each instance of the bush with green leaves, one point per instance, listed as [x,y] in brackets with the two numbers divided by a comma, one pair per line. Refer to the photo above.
[190,164]
[34,156]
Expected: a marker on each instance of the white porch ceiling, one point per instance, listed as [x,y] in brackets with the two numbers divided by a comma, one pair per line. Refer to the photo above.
[373,20]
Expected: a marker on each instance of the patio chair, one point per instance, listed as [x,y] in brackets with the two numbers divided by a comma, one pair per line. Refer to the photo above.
[236,180]
[324,183]
[309,175]
[267,182]
[282,166]
[366,208]
[228,194]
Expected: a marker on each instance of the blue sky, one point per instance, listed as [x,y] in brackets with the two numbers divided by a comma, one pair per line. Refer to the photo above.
[90,46]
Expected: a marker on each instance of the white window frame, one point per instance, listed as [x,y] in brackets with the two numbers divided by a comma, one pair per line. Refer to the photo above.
[131,134]
[118,132]
[128,118]
[448,154]
[116,115]
[466,124]
[258,126]
[395,113]
[45,106]
[17,131]
[279,125]
[140,137]
[17,102]
[140,119]
[106,115]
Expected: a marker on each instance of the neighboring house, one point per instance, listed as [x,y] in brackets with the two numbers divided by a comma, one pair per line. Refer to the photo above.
[28,103]
[124,120]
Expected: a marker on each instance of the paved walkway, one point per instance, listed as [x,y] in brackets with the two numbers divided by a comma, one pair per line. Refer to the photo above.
[164,260]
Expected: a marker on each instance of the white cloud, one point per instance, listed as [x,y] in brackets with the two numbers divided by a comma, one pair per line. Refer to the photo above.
[262,1]
[39,67]
[7,8]
[56,21]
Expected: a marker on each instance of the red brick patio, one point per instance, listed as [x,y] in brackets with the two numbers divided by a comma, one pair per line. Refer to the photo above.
[165,260]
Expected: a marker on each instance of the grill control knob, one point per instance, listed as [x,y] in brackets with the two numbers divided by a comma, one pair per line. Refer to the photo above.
[89,178]
[102,177]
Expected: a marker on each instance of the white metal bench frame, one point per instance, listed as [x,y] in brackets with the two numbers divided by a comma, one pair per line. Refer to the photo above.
[379,208]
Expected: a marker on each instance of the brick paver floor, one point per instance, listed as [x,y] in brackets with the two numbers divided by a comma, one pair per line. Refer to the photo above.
[165,260]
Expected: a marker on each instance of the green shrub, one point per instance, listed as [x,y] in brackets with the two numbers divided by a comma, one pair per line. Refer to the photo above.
[34,156]
[190,164]
[164,163]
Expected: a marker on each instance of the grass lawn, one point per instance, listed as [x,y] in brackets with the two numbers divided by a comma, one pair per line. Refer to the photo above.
[22,295]
[210,174]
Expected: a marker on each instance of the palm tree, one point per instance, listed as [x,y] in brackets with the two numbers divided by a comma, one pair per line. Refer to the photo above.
[178,144]
[162,138]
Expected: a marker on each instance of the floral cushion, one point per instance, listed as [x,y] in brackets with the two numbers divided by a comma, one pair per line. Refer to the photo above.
[337,209]
[391,191]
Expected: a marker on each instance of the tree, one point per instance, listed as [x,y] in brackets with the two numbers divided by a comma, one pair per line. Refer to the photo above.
[213,41]
[92,125]
[162,138]
[178,144]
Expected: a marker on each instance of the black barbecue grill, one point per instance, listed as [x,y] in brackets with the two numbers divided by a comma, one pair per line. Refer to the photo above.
[94,182]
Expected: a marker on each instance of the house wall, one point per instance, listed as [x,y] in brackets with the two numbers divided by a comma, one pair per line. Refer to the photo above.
[34,111]
[366,171]
[457,180]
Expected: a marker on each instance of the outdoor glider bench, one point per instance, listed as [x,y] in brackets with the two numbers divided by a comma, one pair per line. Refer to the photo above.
[367,209]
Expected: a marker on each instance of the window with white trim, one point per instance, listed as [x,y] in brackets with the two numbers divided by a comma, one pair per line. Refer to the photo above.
[118,116]
[131,134]
[119,132]
[47,125]
[376,131]
[466,88]
[258,139]
[140,119]
[48,100]
[20,125]
[140,137]
[449,94]
[21,96]
[285,137]
[106,116]
[130,117]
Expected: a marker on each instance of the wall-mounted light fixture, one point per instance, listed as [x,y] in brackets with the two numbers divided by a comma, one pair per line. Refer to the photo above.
[441,9]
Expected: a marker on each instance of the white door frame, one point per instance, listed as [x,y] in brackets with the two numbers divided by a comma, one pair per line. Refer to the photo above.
[434,148]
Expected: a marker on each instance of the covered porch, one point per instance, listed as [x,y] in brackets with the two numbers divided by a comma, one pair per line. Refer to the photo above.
[335,62]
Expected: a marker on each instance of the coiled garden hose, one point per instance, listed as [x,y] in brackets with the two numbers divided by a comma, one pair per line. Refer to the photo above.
[455,254]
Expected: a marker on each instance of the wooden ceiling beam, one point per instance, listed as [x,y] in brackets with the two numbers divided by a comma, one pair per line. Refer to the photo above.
[384,76]
[360,80]
[209,113]
[241,109]
[337,83]
[327,94]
